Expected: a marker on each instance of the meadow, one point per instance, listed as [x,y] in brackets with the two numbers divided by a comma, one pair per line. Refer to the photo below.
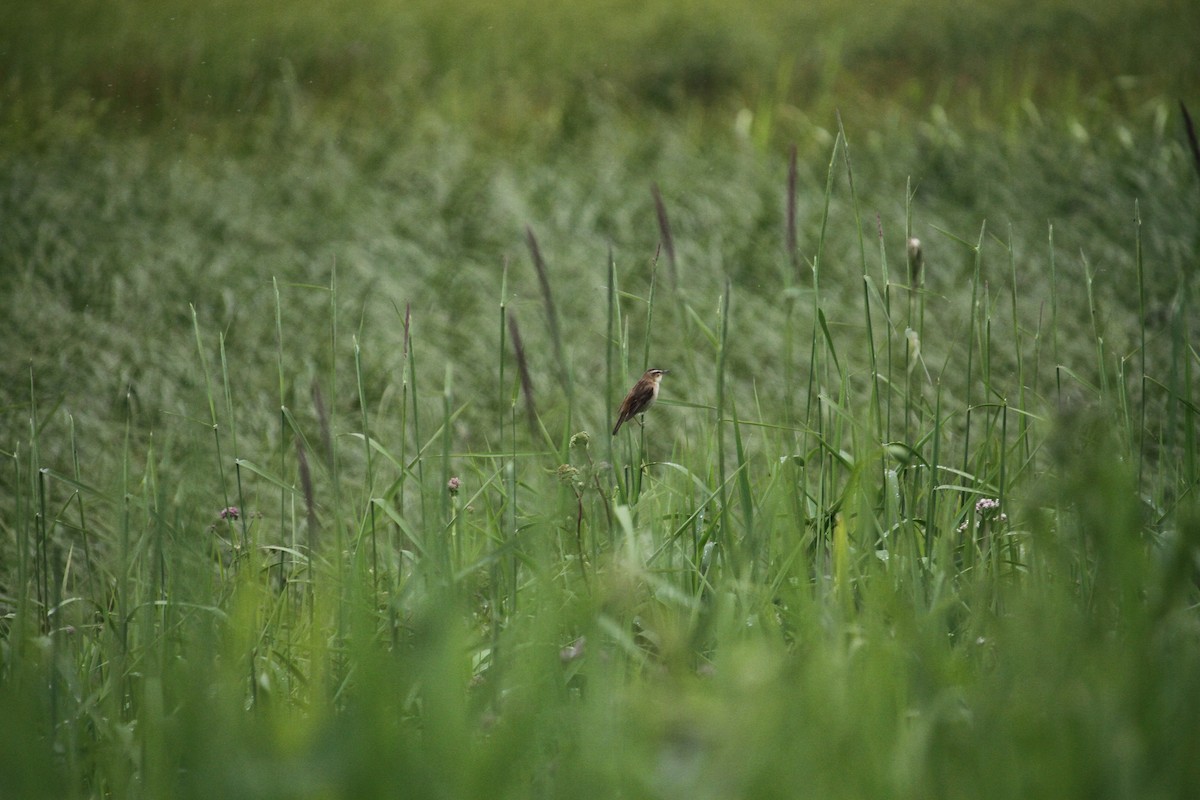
[315,323]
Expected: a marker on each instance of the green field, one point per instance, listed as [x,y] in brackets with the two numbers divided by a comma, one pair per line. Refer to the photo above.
[316,318]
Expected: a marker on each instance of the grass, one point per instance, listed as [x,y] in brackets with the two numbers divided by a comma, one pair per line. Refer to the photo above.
[317,290]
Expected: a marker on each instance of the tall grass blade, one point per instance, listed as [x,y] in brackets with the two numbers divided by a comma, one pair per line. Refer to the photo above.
[514,333]
[1023,434]
[974,336]
[1058,396]
[444,488]
[664,232]
[310,498]
[324,427]
[501,351]
[758,547]
[1097,329]
[283,422]
[725,541]
[815,365]
[561,366]
[1140,267]
[611,349]
[932,486]
[791,241]
[1190,130]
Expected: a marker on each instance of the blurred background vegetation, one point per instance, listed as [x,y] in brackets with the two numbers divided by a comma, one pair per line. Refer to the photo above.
[504,67]
[158,154]
[281,222]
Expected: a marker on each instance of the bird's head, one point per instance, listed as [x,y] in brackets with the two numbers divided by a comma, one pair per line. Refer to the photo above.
[655,374]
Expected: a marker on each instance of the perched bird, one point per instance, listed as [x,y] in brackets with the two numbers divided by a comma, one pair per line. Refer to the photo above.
[640,397]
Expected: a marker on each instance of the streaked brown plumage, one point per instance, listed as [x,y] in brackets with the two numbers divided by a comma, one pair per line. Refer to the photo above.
[640,397]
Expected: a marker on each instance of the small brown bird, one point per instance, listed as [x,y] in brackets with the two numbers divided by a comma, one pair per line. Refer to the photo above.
[640,397]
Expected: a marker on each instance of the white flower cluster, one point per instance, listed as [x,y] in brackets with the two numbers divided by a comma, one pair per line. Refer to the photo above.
[986,510]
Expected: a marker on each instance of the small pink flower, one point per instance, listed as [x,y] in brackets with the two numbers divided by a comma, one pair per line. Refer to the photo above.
[453,485]
[989,509]
[986,510]
[572,651]
[231,513]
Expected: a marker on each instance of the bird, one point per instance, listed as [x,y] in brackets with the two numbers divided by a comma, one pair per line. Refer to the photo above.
[640,397]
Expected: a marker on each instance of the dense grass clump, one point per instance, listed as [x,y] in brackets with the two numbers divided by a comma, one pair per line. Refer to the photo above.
[316,326]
